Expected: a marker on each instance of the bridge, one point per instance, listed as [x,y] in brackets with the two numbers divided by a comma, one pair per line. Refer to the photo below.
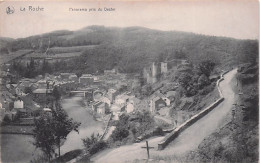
[89,91]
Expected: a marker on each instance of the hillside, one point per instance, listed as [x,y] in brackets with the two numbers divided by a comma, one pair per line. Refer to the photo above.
[237,140]
[4,41]
[132,48]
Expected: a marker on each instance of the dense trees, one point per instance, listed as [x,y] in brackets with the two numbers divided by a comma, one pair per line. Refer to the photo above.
[32,68]
[203,81]
[195,79]
[28,71]
[206,67]
[46,67]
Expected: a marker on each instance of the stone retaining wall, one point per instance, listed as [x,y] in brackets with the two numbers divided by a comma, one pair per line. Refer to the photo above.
[106,129]
[170,137]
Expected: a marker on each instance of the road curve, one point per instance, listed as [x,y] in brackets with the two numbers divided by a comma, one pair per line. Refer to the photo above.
[188,140]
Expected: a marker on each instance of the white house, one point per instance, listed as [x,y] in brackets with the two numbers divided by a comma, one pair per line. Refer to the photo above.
[18,104]
[123,99]
[73,77]
[116,115]
[130,107]
[106,100]
[100,107]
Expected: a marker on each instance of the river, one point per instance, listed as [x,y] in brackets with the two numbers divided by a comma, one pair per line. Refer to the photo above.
[75,110]
[20,148]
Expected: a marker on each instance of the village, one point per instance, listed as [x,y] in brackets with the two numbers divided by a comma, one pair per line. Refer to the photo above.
[119,83]
[111,93]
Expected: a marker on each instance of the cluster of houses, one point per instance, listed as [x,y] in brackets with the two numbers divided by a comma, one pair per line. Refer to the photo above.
[118,102]
[40,87]
[113,100]
[114,97]
[109,91]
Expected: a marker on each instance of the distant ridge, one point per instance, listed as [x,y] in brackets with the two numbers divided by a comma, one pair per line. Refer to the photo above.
[134,47]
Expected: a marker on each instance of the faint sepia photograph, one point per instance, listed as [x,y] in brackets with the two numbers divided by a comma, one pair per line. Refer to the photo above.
[129,81]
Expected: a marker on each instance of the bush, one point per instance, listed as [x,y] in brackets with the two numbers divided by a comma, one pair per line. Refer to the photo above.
[119,134]
[68,156]
[7,119]
[93,145]
[154,132]
[203,81]
[28,90]
[208,89]
[97,147]
[89,142]
[39,159]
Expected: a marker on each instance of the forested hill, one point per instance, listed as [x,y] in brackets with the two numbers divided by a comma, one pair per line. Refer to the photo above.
[133,47]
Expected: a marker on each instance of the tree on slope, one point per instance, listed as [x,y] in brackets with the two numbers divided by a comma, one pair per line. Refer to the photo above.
[206,67]
[63,125]
[44,135]
[51,128]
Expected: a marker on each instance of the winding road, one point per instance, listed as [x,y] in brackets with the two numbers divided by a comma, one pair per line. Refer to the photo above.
[187,141]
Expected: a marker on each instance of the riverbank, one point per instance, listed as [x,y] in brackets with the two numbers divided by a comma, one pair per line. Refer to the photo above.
[17,148]
[76,110]
[20,148]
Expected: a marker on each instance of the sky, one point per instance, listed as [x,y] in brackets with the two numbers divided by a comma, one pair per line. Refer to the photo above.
[229,18]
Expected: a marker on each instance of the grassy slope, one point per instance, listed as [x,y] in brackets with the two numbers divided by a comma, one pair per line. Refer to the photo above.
[11,56]
[237,141]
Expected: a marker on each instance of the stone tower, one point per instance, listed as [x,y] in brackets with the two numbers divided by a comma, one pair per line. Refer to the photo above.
[154,72]
[163,67]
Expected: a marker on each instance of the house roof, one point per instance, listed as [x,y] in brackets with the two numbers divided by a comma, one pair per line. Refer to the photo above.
[171,93]
[42,91]
[14,85]
[157,95]
[73,75]
[116,107]
[123,97]
[65,73]
[28,80]
[47,109]
[111,90]
[86,75]
[171,98]
[42,81]
[96,103]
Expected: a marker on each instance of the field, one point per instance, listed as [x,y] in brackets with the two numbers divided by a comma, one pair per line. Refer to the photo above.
[17,148]
[8,57]
[71,49]
[61,52]
[17,129]
[56,56]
